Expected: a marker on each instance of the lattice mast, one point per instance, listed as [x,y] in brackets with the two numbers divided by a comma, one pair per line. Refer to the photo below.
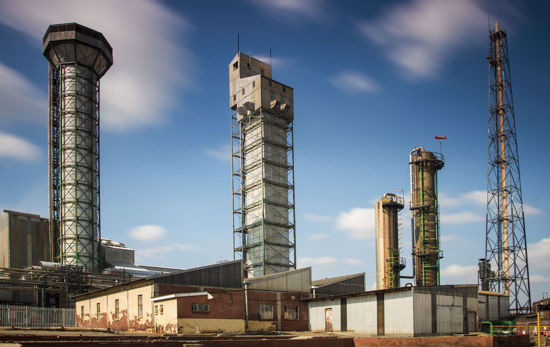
[505,267]
[78,57]
[262,146]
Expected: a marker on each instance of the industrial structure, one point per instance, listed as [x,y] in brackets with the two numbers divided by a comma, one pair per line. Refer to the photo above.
[388,261]
[262,114]
[425,215]
[505,268]
[78,57]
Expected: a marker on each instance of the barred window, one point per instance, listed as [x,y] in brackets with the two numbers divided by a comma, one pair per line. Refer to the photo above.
[161,310]
[156,310]
[201,308]
[98,310]
[140,305]
[116,308]
[265,311]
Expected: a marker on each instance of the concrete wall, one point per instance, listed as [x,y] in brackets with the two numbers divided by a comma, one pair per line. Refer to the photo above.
[166,316]
[24,240]
[128,318]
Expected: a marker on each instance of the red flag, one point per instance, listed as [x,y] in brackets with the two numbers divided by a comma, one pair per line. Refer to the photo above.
[441,137]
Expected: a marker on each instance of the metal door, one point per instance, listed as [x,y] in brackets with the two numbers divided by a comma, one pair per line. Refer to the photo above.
[328,319]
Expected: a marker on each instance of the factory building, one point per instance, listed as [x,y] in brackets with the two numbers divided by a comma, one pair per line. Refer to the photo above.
[205,299]
[406,311]
[262,115]
[25,240]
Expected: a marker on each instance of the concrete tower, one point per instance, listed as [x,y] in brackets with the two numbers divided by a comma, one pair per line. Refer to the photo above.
[262,115]
[78,57]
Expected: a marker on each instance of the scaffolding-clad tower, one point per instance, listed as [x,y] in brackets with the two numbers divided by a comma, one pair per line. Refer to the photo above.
[78,57]
[262,146]
[425,215]
[505,267]
[388,261]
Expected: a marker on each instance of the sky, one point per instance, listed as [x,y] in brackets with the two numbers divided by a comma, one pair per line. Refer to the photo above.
[372,80]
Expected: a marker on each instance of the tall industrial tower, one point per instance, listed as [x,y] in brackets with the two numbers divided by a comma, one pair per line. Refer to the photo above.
[425,215]
[388,261]
[78,57]
[505,242]
[262,146]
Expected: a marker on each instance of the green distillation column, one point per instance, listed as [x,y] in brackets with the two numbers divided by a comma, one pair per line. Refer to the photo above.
[78,57]
[425,215]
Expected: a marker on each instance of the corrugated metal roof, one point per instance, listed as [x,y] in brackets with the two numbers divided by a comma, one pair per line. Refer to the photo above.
[288,281]
[332,280]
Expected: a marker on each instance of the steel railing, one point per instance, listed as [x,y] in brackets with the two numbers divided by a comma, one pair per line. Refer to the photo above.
[36,317]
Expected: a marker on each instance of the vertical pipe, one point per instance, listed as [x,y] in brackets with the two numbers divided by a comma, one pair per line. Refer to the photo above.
[538,329]
[502,145]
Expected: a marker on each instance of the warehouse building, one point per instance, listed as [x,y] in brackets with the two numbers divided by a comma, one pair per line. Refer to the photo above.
[405,311]
[205,299]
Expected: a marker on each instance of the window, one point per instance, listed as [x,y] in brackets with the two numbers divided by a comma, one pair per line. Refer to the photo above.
[284,89]
[291,312]
[161,309]
[270,83]
[243,91]
[98,309]
[236,65]
[234,97]
[203,308]
[253,84]
[116,308]
[262,71]
[82,312]
[265,311]
[140,305]
[156,310]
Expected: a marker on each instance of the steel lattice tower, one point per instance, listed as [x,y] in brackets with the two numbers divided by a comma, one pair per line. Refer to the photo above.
[78,57]
[262,146]
[505,267]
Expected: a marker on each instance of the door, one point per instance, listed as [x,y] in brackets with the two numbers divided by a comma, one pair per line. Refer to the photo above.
[328,320]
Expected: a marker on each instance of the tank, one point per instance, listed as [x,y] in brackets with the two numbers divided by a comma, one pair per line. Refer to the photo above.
[425,215]
[388,261]
[78,57]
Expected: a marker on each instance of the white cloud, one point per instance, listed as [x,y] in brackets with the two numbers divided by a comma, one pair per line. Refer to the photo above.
[359,222]
[223,152]
[476,196]
[353,82]
[419,35]
[155,252]
[352,261]
[318,236]
[539,254]
[147,232]
[466,274]
[531,210]
[312,261]
[539,279]
[308,8]
[150,63]
[317,218]
[448,201]
[461,218]
[14,147]
[20,99]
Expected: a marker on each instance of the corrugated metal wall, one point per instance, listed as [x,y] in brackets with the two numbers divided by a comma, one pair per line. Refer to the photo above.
[362,314]
[398,313]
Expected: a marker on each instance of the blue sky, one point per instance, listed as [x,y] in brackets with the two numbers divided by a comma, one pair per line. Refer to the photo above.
[371,80]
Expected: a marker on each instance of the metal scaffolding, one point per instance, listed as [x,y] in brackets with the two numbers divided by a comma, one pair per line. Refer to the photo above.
[264,234]
[505,268]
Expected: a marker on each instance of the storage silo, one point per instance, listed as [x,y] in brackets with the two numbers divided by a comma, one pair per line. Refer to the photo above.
[78,57]
[388,261]
[425,215]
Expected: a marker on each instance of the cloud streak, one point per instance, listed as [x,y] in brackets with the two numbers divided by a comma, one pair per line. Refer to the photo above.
[223,152]
[305,8]
[145,80]
[467,274]
[353,82]
[20,99]
[418,36]
[160,251]
[14,147]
